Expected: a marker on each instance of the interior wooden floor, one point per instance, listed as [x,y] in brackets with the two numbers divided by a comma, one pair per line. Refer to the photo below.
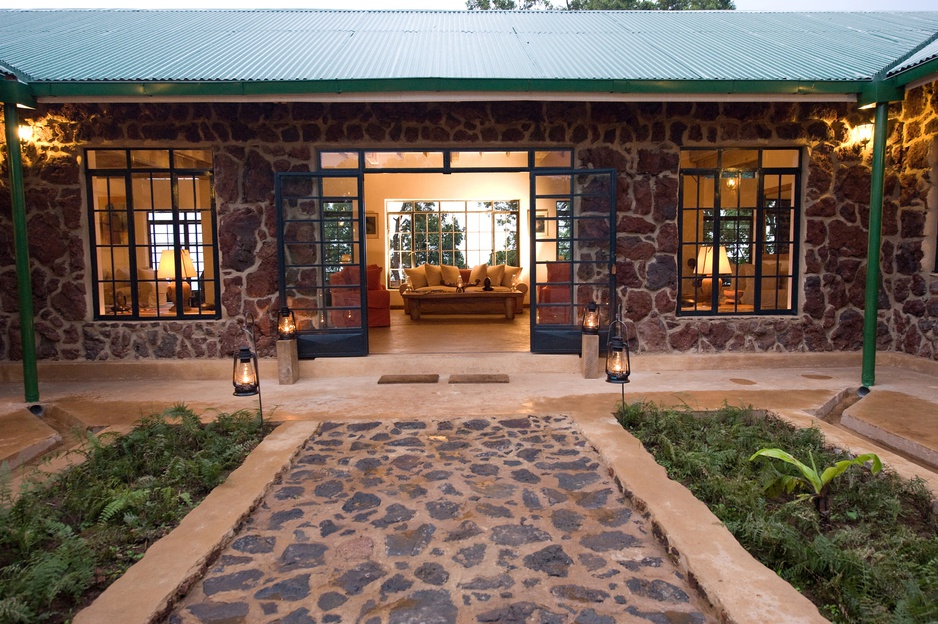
[452,333]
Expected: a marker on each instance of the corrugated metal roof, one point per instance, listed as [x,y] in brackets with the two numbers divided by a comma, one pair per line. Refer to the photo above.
[313,45]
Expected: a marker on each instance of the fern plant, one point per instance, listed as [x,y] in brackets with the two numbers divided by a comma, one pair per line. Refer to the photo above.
[811,479]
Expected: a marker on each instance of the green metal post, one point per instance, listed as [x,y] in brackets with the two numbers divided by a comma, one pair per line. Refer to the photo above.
[23,286]
[870,316]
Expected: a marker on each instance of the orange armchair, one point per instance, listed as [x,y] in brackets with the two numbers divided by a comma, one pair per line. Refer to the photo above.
[346,293]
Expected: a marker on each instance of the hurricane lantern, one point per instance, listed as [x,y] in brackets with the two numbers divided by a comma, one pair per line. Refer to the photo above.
[244,375]
[286,324]
[618,364]
[590,323]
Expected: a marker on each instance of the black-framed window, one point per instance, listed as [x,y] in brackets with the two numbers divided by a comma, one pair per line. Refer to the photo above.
[740,210]
[153,243]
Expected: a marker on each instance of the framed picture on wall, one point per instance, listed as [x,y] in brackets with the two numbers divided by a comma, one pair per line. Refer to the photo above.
[540,222]
[371,225]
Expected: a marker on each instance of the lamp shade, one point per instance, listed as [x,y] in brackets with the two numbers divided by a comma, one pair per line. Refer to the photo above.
[705,261]
[167,265]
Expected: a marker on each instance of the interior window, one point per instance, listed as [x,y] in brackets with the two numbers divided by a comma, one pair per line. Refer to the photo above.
[739,216]
[455,232]
[153,233]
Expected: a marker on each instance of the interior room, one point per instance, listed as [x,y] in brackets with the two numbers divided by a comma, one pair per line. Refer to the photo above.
[461,219]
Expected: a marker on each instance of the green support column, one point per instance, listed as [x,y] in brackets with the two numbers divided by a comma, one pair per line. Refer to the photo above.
[24,288]
[871,305]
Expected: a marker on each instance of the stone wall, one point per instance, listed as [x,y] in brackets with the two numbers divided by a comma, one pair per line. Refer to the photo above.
[642,141]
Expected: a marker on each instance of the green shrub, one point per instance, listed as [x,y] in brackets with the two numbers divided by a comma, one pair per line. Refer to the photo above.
[878,561]
[70,536]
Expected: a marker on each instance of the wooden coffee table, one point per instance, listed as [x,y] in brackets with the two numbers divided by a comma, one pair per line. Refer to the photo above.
[471,302]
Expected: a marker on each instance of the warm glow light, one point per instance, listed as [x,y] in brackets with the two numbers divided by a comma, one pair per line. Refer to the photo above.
[166,270]
[244,375]
[167,266]
[861,135]
[25,132]
[591,319]
[705,261]
[618,367]
[286,324]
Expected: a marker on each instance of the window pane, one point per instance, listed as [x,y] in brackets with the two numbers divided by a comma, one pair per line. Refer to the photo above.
[338,160]
[153,237]
[107,159]
[467,159]
[403,160]
[780,158]
[553,158]
[738,259]
[149,159]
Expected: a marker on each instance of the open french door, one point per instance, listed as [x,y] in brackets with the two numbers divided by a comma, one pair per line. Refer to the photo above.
[321,258]
[572,225]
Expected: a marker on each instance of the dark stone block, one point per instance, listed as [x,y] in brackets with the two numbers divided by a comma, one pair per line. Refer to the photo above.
[302,556]
[279,518]
[467,529]
[361,501]
[431,606]
[578,593]
[470,556]
[394,514]
[525,476]
[517,613]
[330,600]
[432,574]
[609,540]
[409,543]
[484,470]
[659,590]
[494,511]
[516,535]
[594,500]
[551,560]
[300,616]
[566,520]
[488,583]
[219,612]
[244,579]
[362,575]
[292,589]
[329,489]
[289,492]
[254,544]
[443,510]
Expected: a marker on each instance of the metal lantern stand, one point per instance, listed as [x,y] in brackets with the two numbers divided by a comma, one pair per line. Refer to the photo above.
[245,374]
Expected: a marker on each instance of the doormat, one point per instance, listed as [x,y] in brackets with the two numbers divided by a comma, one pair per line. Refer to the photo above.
[408,379]
[478,379]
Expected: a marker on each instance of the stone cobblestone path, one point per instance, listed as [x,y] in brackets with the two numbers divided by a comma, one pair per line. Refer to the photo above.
[512,520]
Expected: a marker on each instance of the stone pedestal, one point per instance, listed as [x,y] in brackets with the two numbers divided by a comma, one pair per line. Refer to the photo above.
[288,364]
[589,356]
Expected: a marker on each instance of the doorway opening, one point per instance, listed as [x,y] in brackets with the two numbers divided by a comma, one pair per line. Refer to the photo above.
[463,219]
[351,234]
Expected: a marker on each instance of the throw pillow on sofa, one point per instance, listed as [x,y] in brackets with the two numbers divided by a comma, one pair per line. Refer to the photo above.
[450,274]
[496,274]
[510,273]
[478,274]
[418,276]
[434,274]
[373,276]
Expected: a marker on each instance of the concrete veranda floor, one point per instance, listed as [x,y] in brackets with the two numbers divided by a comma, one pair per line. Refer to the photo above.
[901,409]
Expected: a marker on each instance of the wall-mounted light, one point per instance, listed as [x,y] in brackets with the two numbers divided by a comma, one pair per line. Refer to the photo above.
[860,136]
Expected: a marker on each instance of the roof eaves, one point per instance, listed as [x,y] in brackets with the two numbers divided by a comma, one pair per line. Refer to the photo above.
[289,89]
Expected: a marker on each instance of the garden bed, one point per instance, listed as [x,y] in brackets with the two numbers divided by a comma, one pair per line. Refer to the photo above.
[62,542]
[877,561]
